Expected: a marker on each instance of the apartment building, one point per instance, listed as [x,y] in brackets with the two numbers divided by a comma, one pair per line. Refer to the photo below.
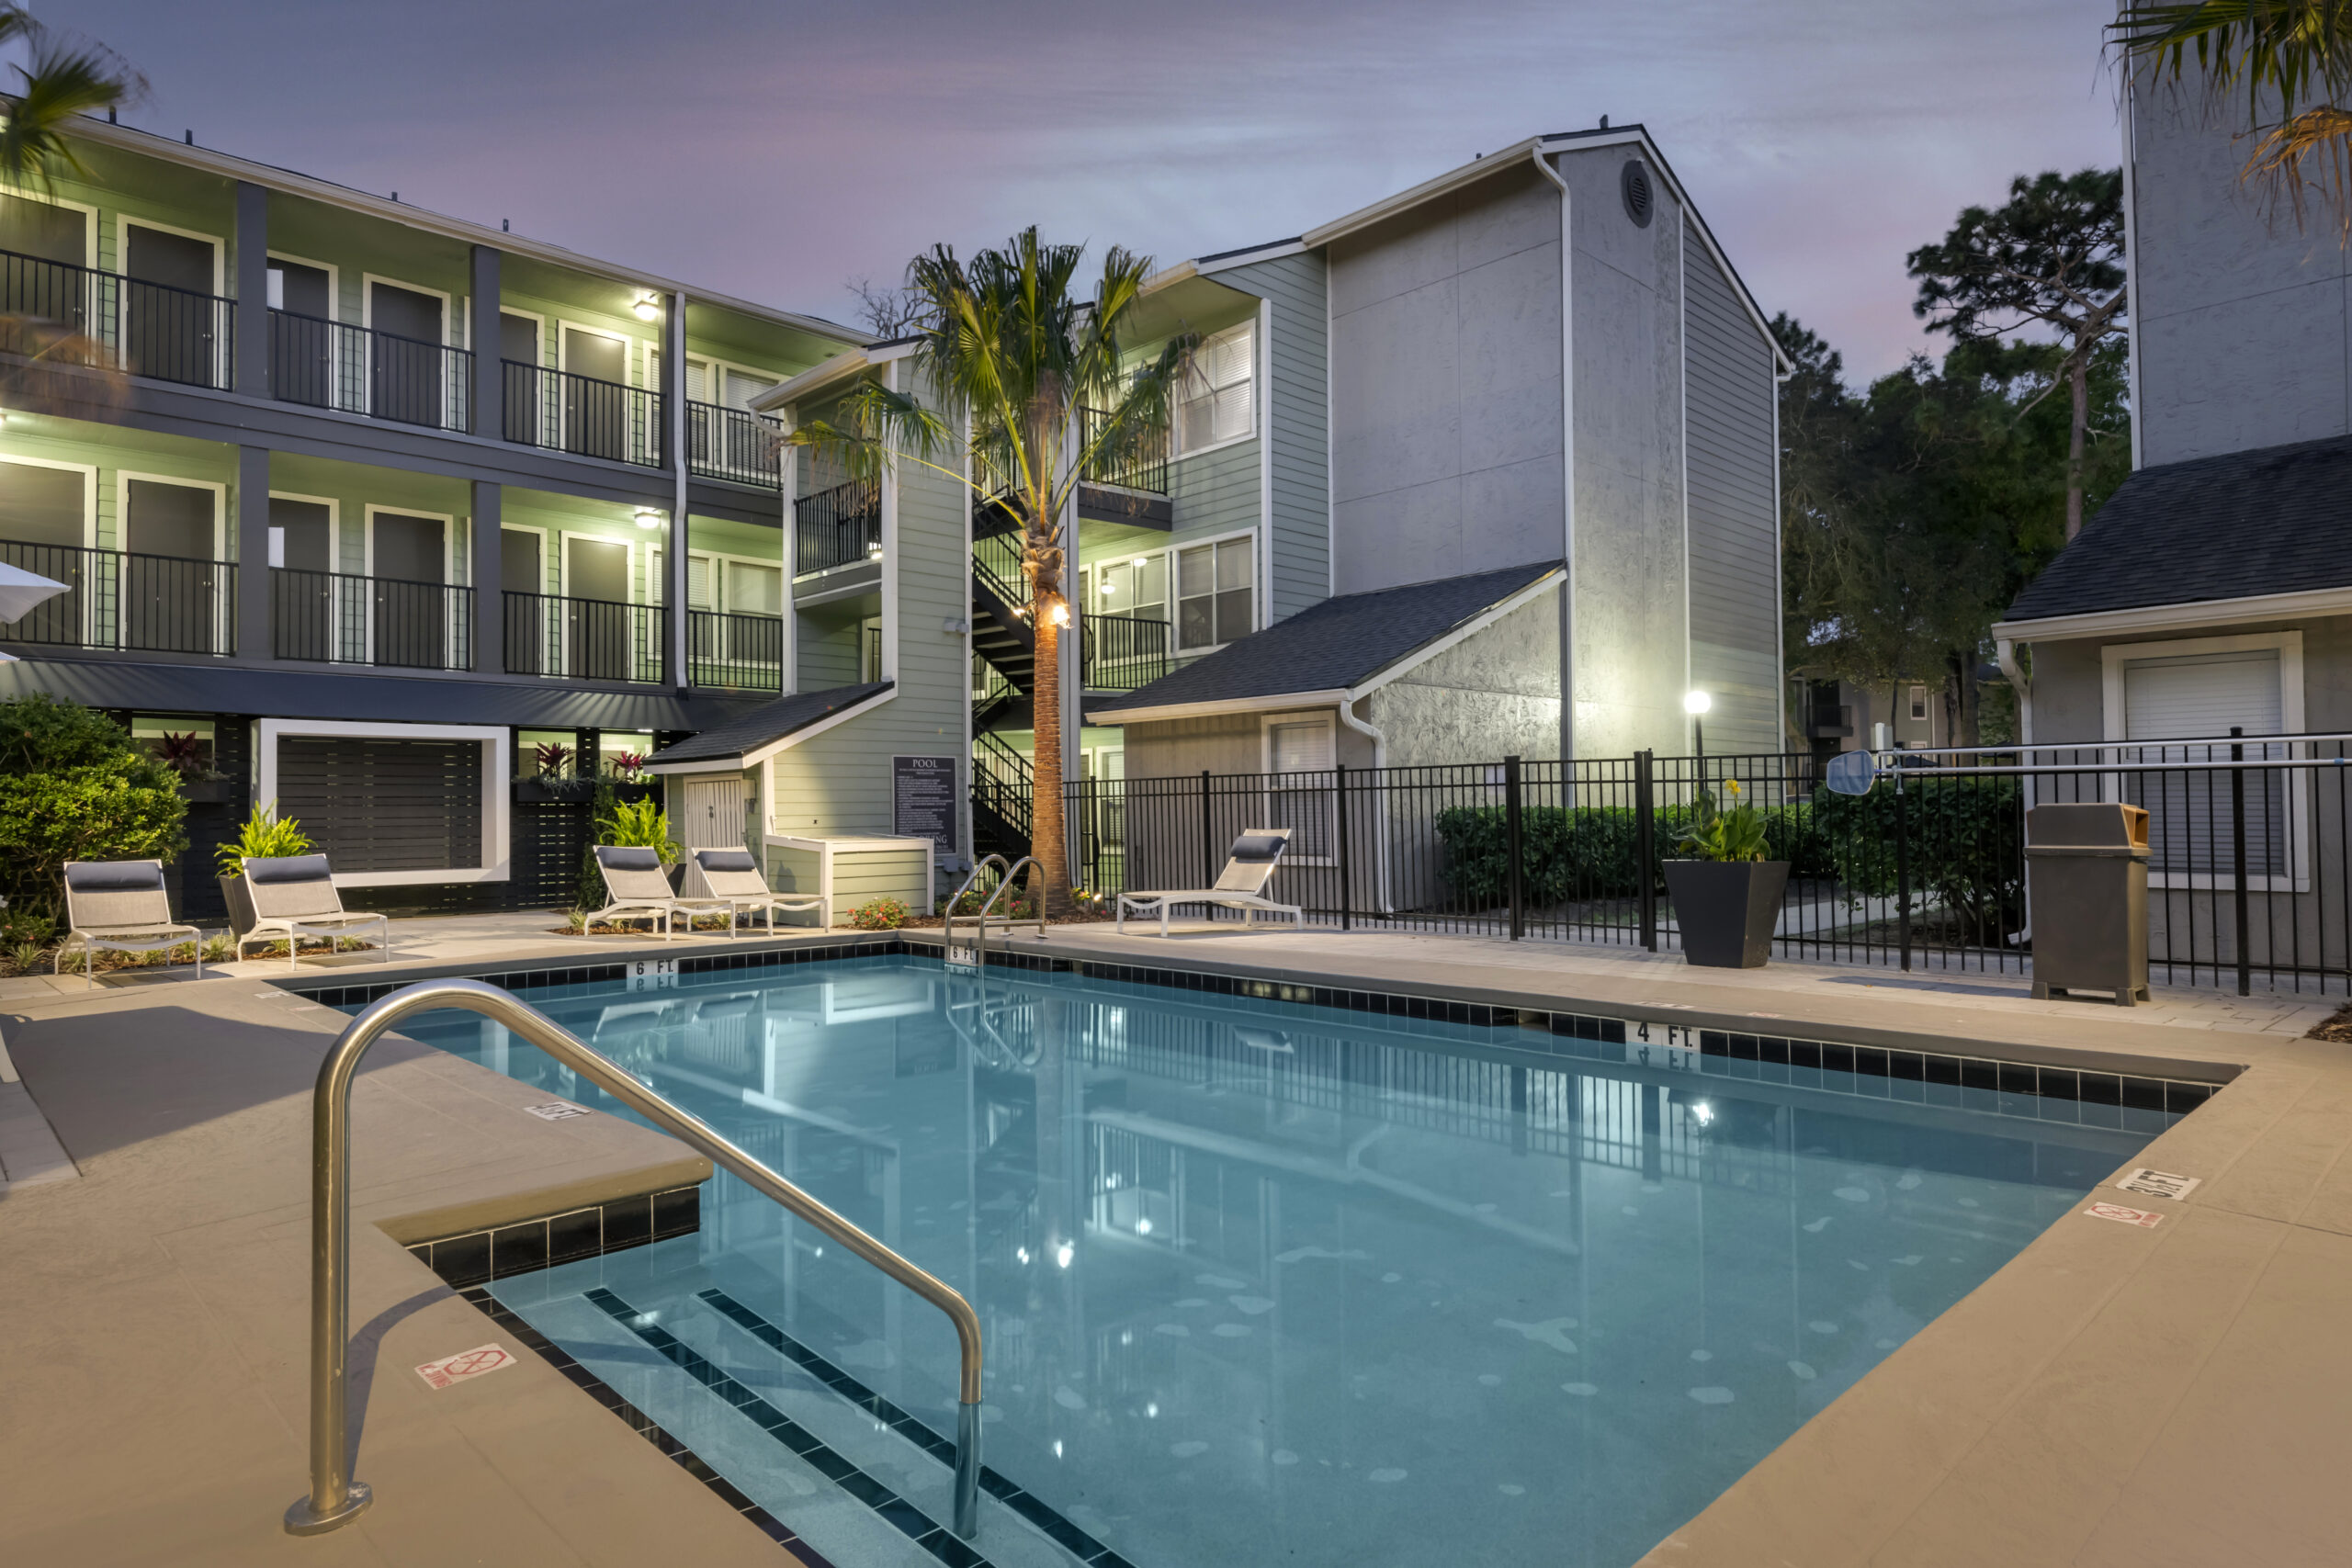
[406,523]
[1488,466]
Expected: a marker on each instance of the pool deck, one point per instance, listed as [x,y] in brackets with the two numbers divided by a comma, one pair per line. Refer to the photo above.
[2116,1394]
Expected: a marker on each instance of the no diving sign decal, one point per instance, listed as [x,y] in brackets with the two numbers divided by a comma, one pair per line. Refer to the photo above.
[473,1363]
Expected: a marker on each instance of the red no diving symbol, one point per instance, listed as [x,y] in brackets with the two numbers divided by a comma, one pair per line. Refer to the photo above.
[464,1364]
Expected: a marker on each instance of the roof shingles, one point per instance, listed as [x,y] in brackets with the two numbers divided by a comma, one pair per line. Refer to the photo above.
[766,724]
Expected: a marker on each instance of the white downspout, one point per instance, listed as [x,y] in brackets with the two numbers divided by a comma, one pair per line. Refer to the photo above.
[1379,821]
[1567,475]
[2005,653]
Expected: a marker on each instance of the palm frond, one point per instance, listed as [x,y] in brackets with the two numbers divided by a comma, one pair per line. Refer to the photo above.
[2310,155]
[2294,50]
[67,79]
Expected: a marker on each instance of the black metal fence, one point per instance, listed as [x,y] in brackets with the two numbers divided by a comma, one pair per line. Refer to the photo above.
[153,329]
[1121,653]
[2250,853]
[740,650]
[344,618]
[732,444]
[582,414]
[333,365]
[586,640]
[1139,463]
[835,527]
[125,600]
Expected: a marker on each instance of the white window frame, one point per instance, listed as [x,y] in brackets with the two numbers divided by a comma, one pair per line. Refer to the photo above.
[631,347]
[1257,404]
[497,743]
[1176,650]
[90,225]
[224,609]
[123,221]
[542,530]
[334,279]
[449,568]
[2116,658]
[368,281]
[89,472]
[1330,721]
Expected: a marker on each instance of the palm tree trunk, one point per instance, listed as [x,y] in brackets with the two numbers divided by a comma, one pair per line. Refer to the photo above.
[2078,384]
[1046,839]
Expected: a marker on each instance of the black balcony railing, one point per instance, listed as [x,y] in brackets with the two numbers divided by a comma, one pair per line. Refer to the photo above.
[153,329]
[582,415]
[342,618]
[730,444]
[745,652]
[333,365]
[1121,653]
[1137,462]
[836,526]
[119,599]
[996,561]
[1829,719]
[585,639]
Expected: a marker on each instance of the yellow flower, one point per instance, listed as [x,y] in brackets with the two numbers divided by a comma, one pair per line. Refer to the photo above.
[1732,785]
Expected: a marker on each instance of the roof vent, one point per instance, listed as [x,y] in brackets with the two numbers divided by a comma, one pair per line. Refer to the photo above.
[1635,184]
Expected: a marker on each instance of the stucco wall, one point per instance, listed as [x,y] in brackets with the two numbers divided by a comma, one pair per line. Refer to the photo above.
[2068,677]
[1445,377]
[2241,328]
[1492,695]
[1629,661]
[1225,743]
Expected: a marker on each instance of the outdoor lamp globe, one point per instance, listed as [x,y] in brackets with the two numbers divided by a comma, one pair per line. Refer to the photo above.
[1696,703]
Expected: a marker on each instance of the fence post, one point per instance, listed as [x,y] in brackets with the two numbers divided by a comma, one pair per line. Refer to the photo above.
[1208,837]
[1645,845]
[2237,849]
[1902,872]
[1347,898]
[1512,838]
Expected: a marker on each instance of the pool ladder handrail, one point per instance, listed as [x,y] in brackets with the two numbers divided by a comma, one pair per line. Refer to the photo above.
[981,943]
[335,1498]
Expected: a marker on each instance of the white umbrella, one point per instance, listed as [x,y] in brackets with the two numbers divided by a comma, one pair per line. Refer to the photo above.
[20,591]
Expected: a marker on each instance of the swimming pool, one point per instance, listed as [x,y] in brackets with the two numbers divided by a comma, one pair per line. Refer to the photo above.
[1267,1282]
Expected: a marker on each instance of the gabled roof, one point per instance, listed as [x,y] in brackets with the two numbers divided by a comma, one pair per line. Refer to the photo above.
[766,725]
[2247,524]
[1337,649]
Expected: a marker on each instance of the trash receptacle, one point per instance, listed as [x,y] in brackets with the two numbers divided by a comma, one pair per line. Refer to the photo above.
[2086,870]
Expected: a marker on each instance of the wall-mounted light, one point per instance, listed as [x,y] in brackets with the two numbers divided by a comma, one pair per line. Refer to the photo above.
[873,550]
[648,518]
[1061,617]
[1696,703]
[648,308]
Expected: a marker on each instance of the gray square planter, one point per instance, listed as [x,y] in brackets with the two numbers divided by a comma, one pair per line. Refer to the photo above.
[1726,910]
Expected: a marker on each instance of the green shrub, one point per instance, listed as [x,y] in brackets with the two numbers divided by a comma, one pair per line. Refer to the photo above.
[72,787]
[879,915]
[1592,851]
[1961,838]
[264,836]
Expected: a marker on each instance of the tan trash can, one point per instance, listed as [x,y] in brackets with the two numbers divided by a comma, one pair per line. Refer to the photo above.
[2087,873]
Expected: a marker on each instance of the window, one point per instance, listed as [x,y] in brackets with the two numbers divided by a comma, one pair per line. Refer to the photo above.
[1212,594]
[2201,697]
[1216,401]
[1919,704]
[185,745]
[615,746]
[547,753]
[1299,756]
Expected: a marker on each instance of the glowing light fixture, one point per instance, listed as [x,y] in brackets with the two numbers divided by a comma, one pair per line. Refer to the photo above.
[1703,1114]
[1696,703]
[1063,1253]
[1143,1227]
[1061,616]
[648,518]
[873,550]
[648,308]
[1022,1253]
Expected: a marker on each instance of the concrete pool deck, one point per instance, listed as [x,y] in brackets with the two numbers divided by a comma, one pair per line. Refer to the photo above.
[2114,1395]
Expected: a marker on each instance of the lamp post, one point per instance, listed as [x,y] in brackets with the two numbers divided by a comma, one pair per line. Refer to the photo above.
[1696,705]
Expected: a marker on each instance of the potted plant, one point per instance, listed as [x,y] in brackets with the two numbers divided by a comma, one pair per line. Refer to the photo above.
[553,780]
[189,755]
[1727,895]
[625,771]
[263,835]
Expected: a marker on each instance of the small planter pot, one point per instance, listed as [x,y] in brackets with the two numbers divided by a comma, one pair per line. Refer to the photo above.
[239,899]
[207,791]
[643,789]
[1726,910]
[545,790]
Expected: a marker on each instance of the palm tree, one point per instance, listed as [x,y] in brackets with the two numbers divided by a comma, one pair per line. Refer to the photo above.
[65,79]
[1009,357]
[2290,57]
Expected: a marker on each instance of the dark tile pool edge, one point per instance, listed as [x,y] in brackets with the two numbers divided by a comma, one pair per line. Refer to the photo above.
[1049,1520]
[508,1322]
[527,1247]
[814,1451]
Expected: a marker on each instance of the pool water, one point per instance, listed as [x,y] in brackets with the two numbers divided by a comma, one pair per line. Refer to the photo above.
[1266,1283]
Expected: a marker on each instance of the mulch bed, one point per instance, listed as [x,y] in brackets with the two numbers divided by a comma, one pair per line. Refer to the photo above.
[2338,1028]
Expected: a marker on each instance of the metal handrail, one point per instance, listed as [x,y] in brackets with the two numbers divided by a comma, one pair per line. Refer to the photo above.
[335,1498]
[947,932]
[981,945]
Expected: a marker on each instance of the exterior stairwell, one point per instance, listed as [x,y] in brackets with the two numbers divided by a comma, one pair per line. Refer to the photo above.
[1002,776]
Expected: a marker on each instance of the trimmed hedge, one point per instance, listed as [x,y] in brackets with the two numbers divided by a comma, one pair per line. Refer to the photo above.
[1592,851]
[1963,838]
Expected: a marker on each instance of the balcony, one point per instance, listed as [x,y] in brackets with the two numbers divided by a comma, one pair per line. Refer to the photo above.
[730,444]
[836,526]
[738,651]
[333,617]
[1143,465]
[123,602]
[1121,653]
[1829,719]
[333,365]
[584,639]
[153,329]
[581,416]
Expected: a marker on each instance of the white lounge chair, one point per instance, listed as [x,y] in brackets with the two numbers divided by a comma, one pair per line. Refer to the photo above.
[295,896]
[120,905]
[733,875]
[1247,868]
[640,890]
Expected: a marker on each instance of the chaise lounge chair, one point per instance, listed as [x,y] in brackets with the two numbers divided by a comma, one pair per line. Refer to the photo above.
[640,891]
[733,877]
[295,895]
[120,905]
[1247,869]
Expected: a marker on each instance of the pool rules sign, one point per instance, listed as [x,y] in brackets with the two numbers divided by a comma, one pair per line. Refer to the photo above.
[922,800]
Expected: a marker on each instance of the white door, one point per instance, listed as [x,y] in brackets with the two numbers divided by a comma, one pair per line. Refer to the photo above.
[714,815]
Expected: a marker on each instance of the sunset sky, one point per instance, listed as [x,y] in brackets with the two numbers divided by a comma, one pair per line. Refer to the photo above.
[776,150]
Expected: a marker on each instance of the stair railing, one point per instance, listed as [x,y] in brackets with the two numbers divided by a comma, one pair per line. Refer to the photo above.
[337,1499]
